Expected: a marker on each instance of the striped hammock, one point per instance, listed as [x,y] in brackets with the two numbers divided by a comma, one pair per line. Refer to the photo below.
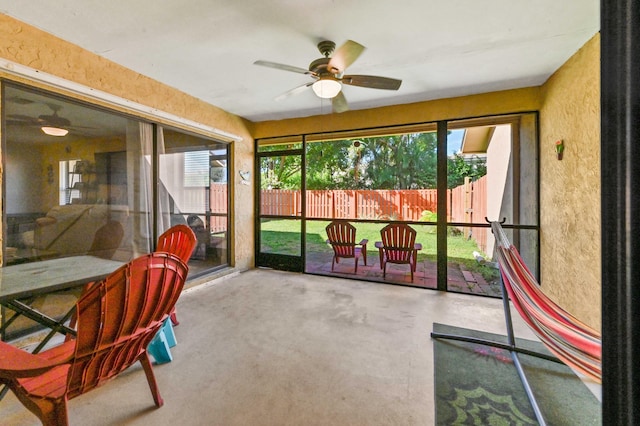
[572,341]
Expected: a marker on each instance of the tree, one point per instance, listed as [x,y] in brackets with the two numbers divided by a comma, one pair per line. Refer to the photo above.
[330,165]
[282,172]
[459,167]
[404,161]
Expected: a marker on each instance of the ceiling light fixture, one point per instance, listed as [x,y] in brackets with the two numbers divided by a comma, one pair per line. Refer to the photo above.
[327,87]
[54,131]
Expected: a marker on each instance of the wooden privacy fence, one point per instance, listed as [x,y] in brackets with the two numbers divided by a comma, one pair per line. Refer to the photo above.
[351,204]
[218,203]
[465,203]
[468,204]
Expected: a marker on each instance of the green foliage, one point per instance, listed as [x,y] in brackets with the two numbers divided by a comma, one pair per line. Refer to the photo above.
[330,165]
[459,167]
[284,172]
[428,216]
[406,161]
[387,162]
[399,162]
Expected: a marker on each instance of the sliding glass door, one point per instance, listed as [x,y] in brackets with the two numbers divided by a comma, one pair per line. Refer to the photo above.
[73,168]
[193,190]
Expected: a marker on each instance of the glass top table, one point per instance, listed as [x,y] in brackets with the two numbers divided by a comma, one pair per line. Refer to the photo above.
[20,284]
[26,280]
[31,279]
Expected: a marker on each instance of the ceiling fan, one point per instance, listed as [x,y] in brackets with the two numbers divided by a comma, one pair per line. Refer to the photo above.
[328,74]
[51,124]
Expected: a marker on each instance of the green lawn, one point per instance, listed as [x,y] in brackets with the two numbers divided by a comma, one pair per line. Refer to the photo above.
[282,236]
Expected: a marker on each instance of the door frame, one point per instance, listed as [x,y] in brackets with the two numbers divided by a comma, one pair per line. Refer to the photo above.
[280,261]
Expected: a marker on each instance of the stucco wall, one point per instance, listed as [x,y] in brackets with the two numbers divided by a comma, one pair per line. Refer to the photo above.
[570,189]
[28,46]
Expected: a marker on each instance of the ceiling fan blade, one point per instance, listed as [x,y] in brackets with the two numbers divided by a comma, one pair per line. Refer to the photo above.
[22,118]
[344,56]
[372,82]
[294,91]
[283,67]
[339,103]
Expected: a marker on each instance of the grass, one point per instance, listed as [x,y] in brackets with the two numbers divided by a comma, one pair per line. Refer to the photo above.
[283,236]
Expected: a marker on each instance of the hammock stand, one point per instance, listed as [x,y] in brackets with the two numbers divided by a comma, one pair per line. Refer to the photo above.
[564,318]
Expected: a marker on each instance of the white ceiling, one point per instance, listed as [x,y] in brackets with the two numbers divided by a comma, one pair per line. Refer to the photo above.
[206,48]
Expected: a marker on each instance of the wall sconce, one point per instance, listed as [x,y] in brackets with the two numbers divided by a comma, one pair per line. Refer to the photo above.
[559,148]
[244,176]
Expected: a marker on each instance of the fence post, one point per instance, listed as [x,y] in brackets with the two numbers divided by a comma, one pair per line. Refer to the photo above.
[356,204]
[332,200]
[468,207]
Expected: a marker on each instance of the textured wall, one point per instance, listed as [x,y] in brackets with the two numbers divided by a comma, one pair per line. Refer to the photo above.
[31,47]
[570,189]
[503,102]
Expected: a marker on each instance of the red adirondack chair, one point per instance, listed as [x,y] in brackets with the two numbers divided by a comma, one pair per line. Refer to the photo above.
[117,318]
[181,241]
[398,246]
[342,237]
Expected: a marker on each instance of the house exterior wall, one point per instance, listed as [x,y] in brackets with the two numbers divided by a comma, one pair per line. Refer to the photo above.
[570,189]
[28,46]
[499,187]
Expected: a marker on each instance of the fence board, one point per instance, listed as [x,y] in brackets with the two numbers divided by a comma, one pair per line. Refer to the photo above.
[465,203]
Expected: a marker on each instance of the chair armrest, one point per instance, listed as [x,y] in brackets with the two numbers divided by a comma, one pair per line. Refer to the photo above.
[417,246]
[363,242]
[378,245]
[16,363]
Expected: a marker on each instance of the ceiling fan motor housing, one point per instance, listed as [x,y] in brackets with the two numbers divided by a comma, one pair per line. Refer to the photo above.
[319,66]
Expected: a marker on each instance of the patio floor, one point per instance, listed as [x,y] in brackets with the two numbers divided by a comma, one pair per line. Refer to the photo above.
[458,278]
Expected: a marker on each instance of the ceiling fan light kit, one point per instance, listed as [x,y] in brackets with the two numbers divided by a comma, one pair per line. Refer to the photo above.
[328,73]
[326,87]
[54,131]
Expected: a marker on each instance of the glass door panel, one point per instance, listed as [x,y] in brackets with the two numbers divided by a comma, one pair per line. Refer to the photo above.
[193,190]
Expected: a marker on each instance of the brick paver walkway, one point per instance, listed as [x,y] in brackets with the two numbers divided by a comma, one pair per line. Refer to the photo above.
[459,279]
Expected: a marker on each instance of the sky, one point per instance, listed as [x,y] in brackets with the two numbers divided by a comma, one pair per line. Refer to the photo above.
[454,141]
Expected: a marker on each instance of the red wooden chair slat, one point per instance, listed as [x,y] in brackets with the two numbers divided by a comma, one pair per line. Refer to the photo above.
[116,319]
[341,235]
[181,241]
[398,246]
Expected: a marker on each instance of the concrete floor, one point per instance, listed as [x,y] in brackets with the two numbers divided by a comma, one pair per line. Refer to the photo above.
[275,348]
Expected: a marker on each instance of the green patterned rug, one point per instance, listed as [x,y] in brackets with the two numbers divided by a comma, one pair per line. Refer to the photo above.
[479,385]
